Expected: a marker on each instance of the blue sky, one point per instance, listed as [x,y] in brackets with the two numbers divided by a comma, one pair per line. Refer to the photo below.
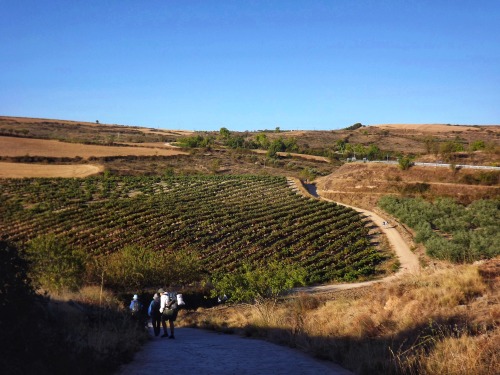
[248,65]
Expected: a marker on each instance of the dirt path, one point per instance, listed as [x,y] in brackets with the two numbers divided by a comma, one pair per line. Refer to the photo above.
[409,262]
[196,351]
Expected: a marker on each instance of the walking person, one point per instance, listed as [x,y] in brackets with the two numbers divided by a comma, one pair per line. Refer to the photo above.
[135,306]
[154,313]
[168,310]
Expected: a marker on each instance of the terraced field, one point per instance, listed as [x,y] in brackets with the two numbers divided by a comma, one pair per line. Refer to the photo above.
[225,219]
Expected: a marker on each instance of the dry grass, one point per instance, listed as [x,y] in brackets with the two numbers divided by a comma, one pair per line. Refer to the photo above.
[362,184]
[443,321]
[95,322]
[429,128]
[12,147]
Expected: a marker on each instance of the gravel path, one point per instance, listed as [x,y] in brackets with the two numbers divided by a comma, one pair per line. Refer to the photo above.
[196,351]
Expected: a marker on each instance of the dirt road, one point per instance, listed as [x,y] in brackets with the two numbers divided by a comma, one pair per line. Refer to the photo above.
[409,262]
[196,351]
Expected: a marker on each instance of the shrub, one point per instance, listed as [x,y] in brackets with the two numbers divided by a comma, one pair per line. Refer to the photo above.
[55,265]
[255,285]
[136,267]
[405,162]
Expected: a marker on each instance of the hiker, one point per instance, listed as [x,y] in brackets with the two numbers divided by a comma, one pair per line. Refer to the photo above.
[135,306]
[168,310]
[154,313]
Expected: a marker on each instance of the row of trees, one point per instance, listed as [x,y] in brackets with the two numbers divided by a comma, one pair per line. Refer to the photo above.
[226,138]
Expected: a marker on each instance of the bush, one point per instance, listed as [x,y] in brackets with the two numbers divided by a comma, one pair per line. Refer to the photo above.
[137,268]
[405,163]
[256,285]
[55,265]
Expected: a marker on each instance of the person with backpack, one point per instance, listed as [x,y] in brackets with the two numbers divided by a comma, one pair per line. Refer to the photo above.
[135,306]
[168,310]
[154,313]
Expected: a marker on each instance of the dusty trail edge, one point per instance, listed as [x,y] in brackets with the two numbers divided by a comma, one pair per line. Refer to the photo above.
[409,262]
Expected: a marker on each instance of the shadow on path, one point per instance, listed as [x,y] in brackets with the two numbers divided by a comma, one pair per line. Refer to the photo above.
[196,351]
[311,188]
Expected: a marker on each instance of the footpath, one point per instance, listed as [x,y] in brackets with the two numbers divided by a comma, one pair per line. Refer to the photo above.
[197,351]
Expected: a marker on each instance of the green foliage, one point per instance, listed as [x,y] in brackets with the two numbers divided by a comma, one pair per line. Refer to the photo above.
[224,219]
[340,145]
[262,141]
[224,133]
[354,126]
[447,149]
[282,145]
[405,162]
[477,145]
[308,174]
[373,152]
[448,230]
[196,141]
[235,142]
[55,265]
[257,284]
[135,268]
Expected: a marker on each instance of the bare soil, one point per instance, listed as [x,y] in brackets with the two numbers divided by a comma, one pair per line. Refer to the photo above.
[12,146]
[21,170]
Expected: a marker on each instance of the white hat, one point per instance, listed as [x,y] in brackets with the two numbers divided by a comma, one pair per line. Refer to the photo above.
[135,297]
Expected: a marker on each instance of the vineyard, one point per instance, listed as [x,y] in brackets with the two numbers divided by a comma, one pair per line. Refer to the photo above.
[224,219]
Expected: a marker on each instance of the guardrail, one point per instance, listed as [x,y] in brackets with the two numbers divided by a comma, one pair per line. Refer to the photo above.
[434,164]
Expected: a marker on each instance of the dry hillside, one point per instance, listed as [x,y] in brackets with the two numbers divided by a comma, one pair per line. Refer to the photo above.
[362,184]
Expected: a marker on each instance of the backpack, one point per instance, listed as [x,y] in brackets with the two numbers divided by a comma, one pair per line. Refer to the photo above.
[135,307]
[172,298]
[155,307]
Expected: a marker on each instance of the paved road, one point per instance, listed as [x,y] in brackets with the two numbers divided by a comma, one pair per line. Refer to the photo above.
[196,351]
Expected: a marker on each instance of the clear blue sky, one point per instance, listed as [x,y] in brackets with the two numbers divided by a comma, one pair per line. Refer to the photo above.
[247,65]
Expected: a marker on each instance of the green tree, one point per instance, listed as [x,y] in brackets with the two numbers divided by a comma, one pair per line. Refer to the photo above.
[340,145]
[256,285]
[373,152]
[276,146]
[54,264]
[405,162]
[262,141]
[224,133]
[354,126]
